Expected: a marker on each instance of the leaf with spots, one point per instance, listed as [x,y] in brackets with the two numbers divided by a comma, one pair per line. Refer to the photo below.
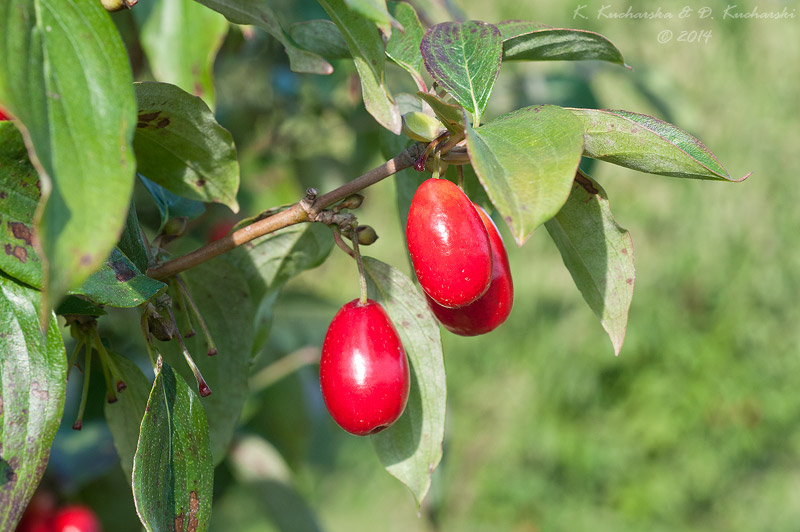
[598,254]
[530,41]
[32,387]
[65,75]
[181,39]
[259,13]
[367,49]
[412,447]
[119,283]
[464,58]
[526,160]
[180,145]
[19,195]
[173,475]
[647,144]
[222,295]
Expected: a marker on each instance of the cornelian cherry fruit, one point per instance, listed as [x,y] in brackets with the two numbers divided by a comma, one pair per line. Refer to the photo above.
[363,373]
[493,307]
[76,519]
[3,116]
[448,244]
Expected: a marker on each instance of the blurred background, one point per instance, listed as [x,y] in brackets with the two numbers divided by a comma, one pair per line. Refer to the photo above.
[695,426]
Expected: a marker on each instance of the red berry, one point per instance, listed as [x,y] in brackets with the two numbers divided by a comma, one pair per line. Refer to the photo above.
[3,116]
[76,519]
[363,373]
[220,229]
[493,307]
[448,244]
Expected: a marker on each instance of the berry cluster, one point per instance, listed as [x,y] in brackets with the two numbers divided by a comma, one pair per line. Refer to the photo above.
[461,263]
[41,515]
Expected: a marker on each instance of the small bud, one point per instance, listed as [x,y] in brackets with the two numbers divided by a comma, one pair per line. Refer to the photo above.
[161,327]
[350,202]
[116,5]
[175,227]
[121,386]
[78,425]
[366,235]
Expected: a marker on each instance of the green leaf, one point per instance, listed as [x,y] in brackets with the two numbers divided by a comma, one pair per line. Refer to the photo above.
[258,13]
[269,262]
[64,73]
[464,58]
[19,195]
[523,41]
[451,115]
[124,417]
[180,145]
[403,47]
[173,475]
[374,10]
[367,49]
[647,144]
[181,39]
[131,242]
[78,306]
[412,447]
[526,160]
[171,205]
[33,380]
[321,37]
[119,283]
[598,254]
[222,295]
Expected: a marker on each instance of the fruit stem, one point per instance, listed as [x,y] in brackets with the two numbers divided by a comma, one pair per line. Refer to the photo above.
[74,356]
[202,387]
[187,297]
[184,311]
[362,278]
[106,358]
[78,425]
[460,174]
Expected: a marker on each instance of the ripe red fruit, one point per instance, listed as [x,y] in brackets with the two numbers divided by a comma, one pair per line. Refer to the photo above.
[76,519]
[38,516]
[448,244]
[493,307]
[363,373]
[3,116]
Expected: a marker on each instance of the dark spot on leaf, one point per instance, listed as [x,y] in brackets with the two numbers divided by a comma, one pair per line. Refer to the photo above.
[86,260]
[2,194]
[198,89]
[586,184]
[18,252]
[122,271]
[374,62]
[629,280]
[624,251]
[148,117]
[179,522]
[141,124]
[7,473]
[194,506]
[164,122]
[200,182]
[21,232]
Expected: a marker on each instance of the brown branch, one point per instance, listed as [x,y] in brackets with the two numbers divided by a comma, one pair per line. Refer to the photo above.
[297,213]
